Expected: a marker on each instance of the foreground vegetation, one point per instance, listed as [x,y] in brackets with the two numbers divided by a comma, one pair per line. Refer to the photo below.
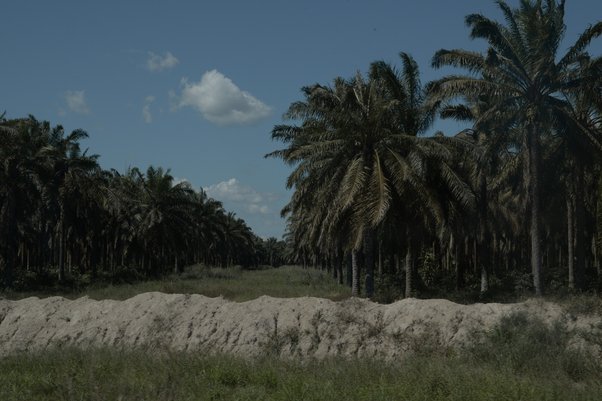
[520,360]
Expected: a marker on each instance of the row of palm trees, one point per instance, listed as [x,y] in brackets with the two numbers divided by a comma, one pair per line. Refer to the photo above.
[517,188]
[61,213]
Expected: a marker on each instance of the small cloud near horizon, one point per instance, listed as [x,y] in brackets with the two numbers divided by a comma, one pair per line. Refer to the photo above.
[220,101]
[76,102]
[147,115]
[232,191]
[156,62]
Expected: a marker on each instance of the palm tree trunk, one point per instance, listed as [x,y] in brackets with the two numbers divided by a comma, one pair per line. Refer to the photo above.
[533,154]
[409,266]
[596,262]
[339,266]
[409,293]
[380,260]
[349,263]
[483,246]
[493,266]
[459,269]
[579,230]
[484,279]
[355,273]
[62,245]
[334,263]
[369,261]
[570,241]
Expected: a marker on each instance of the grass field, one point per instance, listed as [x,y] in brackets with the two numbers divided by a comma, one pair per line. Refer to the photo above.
[522,361]
[233,284]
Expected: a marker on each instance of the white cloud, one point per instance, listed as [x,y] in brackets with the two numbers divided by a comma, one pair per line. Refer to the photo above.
[156,62]
[263,209]
[76,102]
[233,191]
[146,111]
[220,101]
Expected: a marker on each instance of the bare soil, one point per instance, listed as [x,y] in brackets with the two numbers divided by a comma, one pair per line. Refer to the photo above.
[293,327]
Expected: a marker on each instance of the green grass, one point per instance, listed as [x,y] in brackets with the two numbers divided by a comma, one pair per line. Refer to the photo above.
[233,284]
[105,374]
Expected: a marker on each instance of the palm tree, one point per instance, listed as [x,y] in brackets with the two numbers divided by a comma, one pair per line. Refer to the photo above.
[485,145]
[237,243]
[10,172]
[65,164]
[335,152]
[576,130]
[524,77]
[161,212]
[422,169]
[357,152]
[21,140]
[208,228]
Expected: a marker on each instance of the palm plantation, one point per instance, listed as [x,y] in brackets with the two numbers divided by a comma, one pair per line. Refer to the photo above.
[470,203]
[526,84]
[62,214]
[470,185]
[509,204]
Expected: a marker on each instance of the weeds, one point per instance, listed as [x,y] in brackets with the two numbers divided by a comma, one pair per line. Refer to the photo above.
[104,374]
[582,305]
[525,344]
[315,322]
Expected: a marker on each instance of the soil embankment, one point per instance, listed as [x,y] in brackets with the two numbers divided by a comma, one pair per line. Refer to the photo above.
[311,327]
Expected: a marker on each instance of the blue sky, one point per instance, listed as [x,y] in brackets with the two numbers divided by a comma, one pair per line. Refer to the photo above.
[197,86]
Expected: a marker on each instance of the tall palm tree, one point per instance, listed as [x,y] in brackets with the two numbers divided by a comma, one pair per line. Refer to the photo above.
[422,167]
[238,241]
[336,151]
[21,140]
[522,73]
[488,161]
[575,132]
[66,164]
[357,152]
[10,171]
[161,212]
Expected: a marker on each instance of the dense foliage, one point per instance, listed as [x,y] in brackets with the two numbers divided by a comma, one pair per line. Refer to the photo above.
[62,216]
[508,203]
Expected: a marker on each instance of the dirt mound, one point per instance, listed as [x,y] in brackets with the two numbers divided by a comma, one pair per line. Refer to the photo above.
[311,327]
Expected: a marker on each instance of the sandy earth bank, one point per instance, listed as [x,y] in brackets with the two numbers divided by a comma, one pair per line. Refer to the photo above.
[290,327]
